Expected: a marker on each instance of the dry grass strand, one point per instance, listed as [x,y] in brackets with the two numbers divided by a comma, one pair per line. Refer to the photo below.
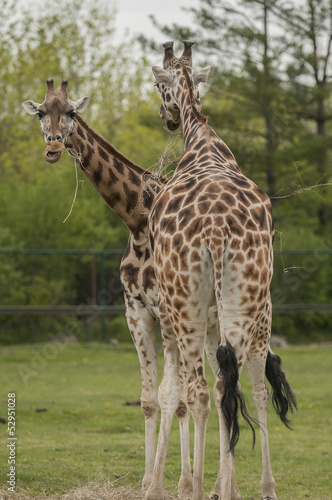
[77,158]
[92,491]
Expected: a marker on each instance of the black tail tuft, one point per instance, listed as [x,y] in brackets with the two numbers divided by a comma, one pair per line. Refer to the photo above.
[232,396]
[283,397]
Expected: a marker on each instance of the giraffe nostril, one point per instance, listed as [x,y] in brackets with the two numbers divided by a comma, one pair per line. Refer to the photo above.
[58,138]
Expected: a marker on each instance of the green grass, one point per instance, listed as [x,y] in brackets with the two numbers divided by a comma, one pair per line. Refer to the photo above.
[88,433]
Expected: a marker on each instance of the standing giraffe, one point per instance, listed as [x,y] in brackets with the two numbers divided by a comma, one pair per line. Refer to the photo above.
[130,191]
[211,233]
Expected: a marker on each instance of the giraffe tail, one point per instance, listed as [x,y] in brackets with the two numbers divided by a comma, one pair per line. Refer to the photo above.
[283,397]
[232,397]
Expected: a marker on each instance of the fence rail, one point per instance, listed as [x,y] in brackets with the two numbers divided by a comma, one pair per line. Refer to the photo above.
[91,310]
[84,310]
[103,309]
[120,251]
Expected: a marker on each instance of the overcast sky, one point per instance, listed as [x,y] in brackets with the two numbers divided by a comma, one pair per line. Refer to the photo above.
[134,15]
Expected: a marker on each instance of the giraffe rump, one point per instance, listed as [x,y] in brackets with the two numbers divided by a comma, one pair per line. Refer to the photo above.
[283,397]
[232,397]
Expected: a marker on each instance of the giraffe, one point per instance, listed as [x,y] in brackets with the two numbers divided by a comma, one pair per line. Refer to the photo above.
[129,190]
[211,233]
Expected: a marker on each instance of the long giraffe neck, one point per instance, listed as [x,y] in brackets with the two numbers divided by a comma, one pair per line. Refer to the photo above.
[198,137]
[126,187]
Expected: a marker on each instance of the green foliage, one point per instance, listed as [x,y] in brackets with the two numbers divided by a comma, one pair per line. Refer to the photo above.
[35,220]
[37,43]
[271,85]
[269,100]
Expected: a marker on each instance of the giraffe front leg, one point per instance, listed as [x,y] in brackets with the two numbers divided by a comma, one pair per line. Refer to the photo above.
[199,402]
[168,397]
[142,329]
[151,415]
[185,486]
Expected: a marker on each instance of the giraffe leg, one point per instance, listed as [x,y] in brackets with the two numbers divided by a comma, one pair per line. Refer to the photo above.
[169,400]
[223,486]
[211,345]
[185,486]
[260,393]
[199,403]
[187,312]
[240,309]
[142,329]
[191,338]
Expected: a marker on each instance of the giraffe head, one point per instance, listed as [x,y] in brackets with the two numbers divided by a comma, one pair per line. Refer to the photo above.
[57,118]
[170,79]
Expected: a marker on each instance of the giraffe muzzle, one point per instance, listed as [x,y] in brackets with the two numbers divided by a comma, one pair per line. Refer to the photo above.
[53,151]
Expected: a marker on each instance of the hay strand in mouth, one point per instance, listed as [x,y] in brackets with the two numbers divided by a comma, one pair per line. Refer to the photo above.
[165,159]
[77,157]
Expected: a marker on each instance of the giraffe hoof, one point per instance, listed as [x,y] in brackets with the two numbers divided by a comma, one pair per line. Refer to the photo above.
[145,484]
[185,489]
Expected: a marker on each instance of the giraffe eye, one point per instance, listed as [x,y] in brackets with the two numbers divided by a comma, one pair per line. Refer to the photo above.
[72,114]
[40,115]
[156,85]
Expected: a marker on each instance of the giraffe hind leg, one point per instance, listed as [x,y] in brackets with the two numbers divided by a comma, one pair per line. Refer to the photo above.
[211,345]
[260,394]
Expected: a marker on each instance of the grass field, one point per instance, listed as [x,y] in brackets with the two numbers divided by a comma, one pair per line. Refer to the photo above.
[88,435]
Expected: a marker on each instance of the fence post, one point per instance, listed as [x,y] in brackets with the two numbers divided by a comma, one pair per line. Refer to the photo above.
[93,277]
[103,294]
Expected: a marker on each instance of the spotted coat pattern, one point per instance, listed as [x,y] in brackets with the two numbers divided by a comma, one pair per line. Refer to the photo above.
[211,232]
[130,191]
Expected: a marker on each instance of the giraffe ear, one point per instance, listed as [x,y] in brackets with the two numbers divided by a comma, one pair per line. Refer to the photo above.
[201,75]
[31,107]
[163,76]
[80,104]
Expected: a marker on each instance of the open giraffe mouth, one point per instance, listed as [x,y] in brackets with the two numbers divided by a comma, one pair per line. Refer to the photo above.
[53,151]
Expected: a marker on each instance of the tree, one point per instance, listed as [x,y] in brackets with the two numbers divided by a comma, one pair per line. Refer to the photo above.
[36,44]
[308,28]
[271,83]
[43,43]
[248,57]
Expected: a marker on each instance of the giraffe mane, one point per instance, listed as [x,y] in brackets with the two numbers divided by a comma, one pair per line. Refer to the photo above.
[114,152]
[201,118]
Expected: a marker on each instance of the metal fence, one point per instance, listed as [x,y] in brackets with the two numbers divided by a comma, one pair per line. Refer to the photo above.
[295,270]
[97,306]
